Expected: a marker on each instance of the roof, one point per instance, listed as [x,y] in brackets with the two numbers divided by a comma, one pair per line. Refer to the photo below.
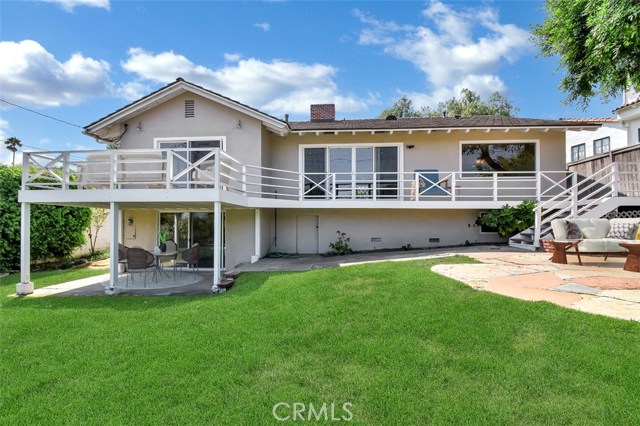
[177,87]
[628,104]
[416,123]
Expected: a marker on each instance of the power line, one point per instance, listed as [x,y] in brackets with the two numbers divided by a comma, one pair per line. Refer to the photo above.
[39,113]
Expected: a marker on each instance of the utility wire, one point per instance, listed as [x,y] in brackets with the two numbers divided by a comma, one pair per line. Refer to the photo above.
[39,113]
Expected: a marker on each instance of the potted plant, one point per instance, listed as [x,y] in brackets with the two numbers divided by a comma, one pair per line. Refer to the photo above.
[163,234]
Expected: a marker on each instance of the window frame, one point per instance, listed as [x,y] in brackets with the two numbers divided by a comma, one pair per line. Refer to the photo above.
[600,140]
[536,142]
[584,151]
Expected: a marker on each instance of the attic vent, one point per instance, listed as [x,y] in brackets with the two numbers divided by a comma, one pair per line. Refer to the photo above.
[189,108]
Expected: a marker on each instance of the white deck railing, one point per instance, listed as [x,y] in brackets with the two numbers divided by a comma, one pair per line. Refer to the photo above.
[212,168]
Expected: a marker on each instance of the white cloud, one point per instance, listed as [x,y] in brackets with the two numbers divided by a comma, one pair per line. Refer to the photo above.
[70,5]
[277,86]
[133,90]
[232,57]
[264,26]
[29,74]
[447,49]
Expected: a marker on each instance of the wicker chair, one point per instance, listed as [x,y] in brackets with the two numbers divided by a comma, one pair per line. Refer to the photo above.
[190,257]
[171,246]
[140,261]
[122,255]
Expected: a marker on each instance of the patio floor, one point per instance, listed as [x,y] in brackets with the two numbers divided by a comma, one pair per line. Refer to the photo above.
[598,286]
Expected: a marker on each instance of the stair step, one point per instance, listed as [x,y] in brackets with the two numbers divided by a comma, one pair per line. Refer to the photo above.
[226,284]
[528,247]
[232,274]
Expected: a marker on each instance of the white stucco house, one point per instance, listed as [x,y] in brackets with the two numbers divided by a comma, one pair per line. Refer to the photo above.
[242,183]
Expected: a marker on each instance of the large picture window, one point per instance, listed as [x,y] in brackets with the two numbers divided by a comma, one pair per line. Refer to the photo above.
[359,171]
[499,157]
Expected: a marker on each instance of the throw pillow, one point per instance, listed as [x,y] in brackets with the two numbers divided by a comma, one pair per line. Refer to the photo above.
[622,231]
[573,231]
[638,233]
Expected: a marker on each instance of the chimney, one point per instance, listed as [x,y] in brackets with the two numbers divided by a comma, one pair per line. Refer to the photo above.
[323,112]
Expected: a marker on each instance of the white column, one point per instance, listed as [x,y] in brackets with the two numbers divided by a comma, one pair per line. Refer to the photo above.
[256,239]
[114,210]
[25,286]
[217,243]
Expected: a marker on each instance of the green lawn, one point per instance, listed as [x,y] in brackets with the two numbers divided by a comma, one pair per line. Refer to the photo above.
[401,344]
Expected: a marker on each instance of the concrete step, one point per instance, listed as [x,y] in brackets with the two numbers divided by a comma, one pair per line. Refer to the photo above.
[226,284]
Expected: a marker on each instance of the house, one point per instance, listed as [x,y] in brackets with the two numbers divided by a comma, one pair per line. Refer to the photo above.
[582,144]
[243,183]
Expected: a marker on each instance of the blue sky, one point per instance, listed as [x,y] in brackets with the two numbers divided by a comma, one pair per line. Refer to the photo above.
[78,60]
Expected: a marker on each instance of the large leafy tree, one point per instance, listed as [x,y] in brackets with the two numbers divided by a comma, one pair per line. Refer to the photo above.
[469,103]
[55,230]
[598,44]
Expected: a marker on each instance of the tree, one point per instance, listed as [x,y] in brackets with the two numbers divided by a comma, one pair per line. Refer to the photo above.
[402,108]
[598,43]
[98,219]
[469,104]
[55,230]
[12,145]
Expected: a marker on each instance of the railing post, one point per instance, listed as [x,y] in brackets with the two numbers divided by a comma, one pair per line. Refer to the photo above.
[537,226]
[244,179]
[574,194]
[453,186]
[416,184]
[538,185]
[217,167]
[375,186]
[301,190]
[65,170]
[26,159]
[113,168]
[333,186]
[169,169]
[495,186]
[615,180]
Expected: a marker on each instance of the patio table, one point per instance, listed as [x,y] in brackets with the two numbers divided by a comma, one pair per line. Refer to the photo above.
[160,255]
[633,256]
[561,250]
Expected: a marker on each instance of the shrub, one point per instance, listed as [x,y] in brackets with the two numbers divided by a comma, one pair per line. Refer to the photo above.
[509,220]
[341,246]
[55,230]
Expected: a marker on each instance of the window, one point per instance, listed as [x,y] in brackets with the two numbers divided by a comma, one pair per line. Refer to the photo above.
[357,169]
[578,152]
[601,146]
[499,157]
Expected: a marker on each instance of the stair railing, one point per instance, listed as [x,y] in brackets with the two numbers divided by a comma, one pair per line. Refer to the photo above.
[594,189]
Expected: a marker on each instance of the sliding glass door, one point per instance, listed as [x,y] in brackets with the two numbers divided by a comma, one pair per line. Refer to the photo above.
[187,229]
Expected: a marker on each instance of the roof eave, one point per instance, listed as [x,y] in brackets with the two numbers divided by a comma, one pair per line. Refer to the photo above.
[448,129]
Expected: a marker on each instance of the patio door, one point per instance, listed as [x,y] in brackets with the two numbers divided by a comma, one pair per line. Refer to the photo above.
[187,229]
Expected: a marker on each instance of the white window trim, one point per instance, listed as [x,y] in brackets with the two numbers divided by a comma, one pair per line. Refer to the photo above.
[497,142]
[222,139]
[583,144]
[398,145]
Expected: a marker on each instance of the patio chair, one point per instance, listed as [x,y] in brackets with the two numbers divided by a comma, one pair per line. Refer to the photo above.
[190,257]
[139,261]
[122,255]
[171,247]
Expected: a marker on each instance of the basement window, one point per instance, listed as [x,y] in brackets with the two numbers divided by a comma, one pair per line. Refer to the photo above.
[189,108]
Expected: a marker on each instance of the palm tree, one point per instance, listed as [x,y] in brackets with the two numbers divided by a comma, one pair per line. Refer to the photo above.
[12,144]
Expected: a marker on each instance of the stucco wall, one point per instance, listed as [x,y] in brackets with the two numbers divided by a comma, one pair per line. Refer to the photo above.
[144,231]
[437,150]
[394,228]
[211,119]
[615,131]
[239,237]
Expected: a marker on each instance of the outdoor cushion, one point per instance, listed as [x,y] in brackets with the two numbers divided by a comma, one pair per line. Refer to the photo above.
[638,233]
[624,231]
[573,231]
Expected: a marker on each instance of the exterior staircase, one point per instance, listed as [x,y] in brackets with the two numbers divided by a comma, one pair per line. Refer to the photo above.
[593,196]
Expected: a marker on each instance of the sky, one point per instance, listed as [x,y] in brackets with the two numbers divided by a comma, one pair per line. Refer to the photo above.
[76,61]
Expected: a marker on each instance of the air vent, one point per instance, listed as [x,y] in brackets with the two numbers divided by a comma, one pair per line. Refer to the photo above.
[376,239]
[434,240]
[189,108]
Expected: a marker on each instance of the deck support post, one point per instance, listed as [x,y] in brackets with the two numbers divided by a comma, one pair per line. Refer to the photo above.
[256,239]
[25,286]
[114,219]
[217,244]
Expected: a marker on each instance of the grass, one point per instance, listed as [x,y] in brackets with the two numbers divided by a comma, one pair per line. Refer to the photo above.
[401,344]
[47,278]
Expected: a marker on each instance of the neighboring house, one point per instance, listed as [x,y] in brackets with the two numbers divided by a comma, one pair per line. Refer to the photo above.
[243,183]
[583,144]
[629,114]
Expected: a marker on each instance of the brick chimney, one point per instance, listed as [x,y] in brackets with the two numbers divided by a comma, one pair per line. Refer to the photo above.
[323,112]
